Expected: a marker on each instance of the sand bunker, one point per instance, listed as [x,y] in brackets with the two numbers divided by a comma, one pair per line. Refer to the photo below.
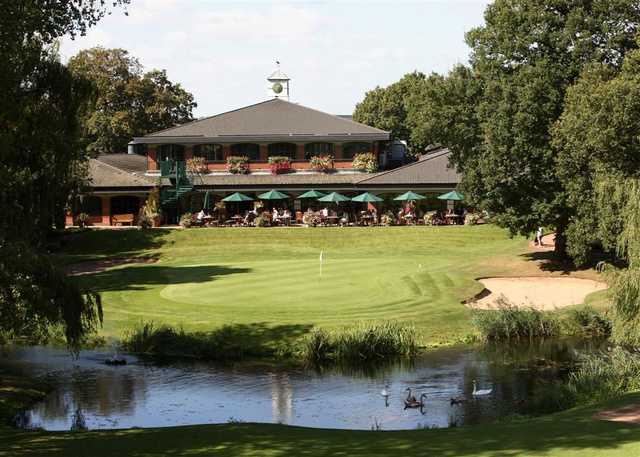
[540,293]
[628,414]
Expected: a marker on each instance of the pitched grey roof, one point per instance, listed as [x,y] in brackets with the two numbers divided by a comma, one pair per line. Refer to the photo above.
[272,120]
[431,169]
[103,175]
[128,162]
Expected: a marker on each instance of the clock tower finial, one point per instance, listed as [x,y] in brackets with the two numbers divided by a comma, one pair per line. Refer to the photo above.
[278,83]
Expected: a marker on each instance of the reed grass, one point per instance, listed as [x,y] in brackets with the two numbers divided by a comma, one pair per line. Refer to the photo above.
[586,322]
[361,343]
[605,375]
[510,322]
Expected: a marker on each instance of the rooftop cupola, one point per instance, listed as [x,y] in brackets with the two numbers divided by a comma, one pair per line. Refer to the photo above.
[279,84]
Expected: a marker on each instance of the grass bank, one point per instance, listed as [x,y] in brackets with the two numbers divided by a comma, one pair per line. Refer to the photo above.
[268,283]
[572,433]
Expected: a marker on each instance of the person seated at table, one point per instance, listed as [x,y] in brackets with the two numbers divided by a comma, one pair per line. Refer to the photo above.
[275,216]
[344,219]
[286,214]
[374,216]
[324,212]
[200,217]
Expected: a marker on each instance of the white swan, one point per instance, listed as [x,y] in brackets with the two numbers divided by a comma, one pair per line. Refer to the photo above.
[481,392]
[385,391]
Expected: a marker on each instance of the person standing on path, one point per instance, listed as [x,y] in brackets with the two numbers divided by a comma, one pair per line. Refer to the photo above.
[539,237]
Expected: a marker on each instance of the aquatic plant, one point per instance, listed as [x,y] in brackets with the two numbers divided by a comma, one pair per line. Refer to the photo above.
[361,343]
[586,322]
[511,322]
[605,375]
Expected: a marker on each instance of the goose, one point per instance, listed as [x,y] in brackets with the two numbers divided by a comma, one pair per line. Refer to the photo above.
[481,392]
[411,402]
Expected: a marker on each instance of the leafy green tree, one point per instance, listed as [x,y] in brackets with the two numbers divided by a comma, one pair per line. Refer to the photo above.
[526,55]
[129,102]
[386,107]
[597,135]
[41,163]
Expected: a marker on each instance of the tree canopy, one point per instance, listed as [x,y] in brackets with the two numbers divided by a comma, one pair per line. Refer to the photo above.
[128,101]
[42,162]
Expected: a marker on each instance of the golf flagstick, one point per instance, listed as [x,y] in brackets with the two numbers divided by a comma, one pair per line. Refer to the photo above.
[321,261]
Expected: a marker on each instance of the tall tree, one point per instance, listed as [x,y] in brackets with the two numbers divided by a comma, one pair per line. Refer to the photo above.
[596,136]
[527,54]
[386,107]
[129,102]
[41,162]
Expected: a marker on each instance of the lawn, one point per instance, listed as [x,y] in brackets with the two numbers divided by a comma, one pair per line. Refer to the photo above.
[570,433]
[268,280]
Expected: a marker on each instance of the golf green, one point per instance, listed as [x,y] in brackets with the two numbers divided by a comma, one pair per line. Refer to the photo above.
[204,278]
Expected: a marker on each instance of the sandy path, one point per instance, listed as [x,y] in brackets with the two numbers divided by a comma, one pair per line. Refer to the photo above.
[541,293]
[96,266]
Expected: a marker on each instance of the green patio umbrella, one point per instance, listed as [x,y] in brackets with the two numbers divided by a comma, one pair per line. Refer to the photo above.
[366,197]
[237,197]
[334,197]
[273,195]
[312,194]
[453,195]
[410,196]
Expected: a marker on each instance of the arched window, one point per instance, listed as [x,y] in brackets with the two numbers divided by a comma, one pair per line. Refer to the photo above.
[251,150]
[92,205]
[349,150]
[282,149]
[125,204]
[171,152]
[317,149]
[210,152]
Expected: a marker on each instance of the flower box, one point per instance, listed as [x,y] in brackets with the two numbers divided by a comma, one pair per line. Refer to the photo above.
[279,164]
[366,161]
[321,163]
[238,165]
[197,165]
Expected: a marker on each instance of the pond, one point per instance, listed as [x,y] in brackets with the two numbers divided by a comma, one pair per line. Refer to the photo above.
[147,394]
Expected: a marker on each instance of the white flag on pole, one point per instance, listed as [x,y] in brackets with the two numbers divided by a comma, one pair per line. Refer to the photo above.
[321,256]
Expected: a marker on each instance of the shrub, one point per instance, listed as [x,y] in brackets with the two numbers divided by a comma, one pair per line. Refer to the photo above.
[238,165]
[321,163]
[144,221]
[260,221]
[605,375]
[149,214]
[510,322]
[430,218]
[366,161]
[387,219]
[82,219]
[186,220]
[587,322]
[318,346]
[279,164]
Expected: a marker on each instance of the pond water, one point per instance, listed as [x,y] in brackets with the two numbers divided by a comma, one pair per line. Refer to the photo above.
[144,394]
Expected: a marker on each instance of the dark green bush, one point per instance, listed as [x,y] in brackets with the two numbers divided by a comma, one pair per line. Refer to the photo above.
[587,322]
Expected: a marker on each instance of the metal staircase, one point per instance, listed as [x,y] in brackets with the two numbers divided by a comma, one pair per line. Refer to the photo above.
[176,172]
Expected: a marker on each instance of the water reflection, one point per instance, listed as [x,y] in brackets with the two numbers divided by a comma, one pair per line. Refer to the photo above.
[141,394]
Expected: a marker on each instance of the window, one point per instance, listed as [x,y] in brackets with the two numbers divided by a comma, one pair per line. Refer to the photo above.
[92,205]
[210,152]
[171,152]
[283,149]
[251,150]
[125,204]
[317,149]
[349,150]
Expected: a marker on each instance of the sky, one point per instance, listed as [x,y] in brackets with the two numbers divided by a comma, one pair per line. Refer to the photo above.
[333,51]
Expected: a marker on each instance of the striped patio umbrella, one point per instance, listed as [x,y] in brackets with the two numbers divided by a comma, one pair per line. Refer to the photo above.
[334,197]
[237,197]
[453,195]
[273,195]
[312,194]
[410,196]
[366,198]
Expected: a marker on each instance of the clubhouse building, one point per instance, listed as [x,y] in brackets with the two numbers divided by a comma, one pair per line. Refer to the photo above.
[275,144]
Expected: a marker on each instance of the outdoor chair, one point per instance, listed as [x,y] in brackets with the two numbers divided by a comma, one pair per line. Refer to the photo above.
[298,217]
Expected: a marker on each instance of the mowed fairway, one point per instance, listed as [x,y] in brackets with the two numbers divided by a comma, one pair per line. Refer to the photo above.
[205,278]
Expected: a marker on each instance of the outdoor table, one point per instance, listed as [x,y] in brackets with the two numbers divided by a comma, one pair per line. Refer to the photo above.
[366,219]
[452,218]
[408,218]
[238,219]
[285,220]
[332,219]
